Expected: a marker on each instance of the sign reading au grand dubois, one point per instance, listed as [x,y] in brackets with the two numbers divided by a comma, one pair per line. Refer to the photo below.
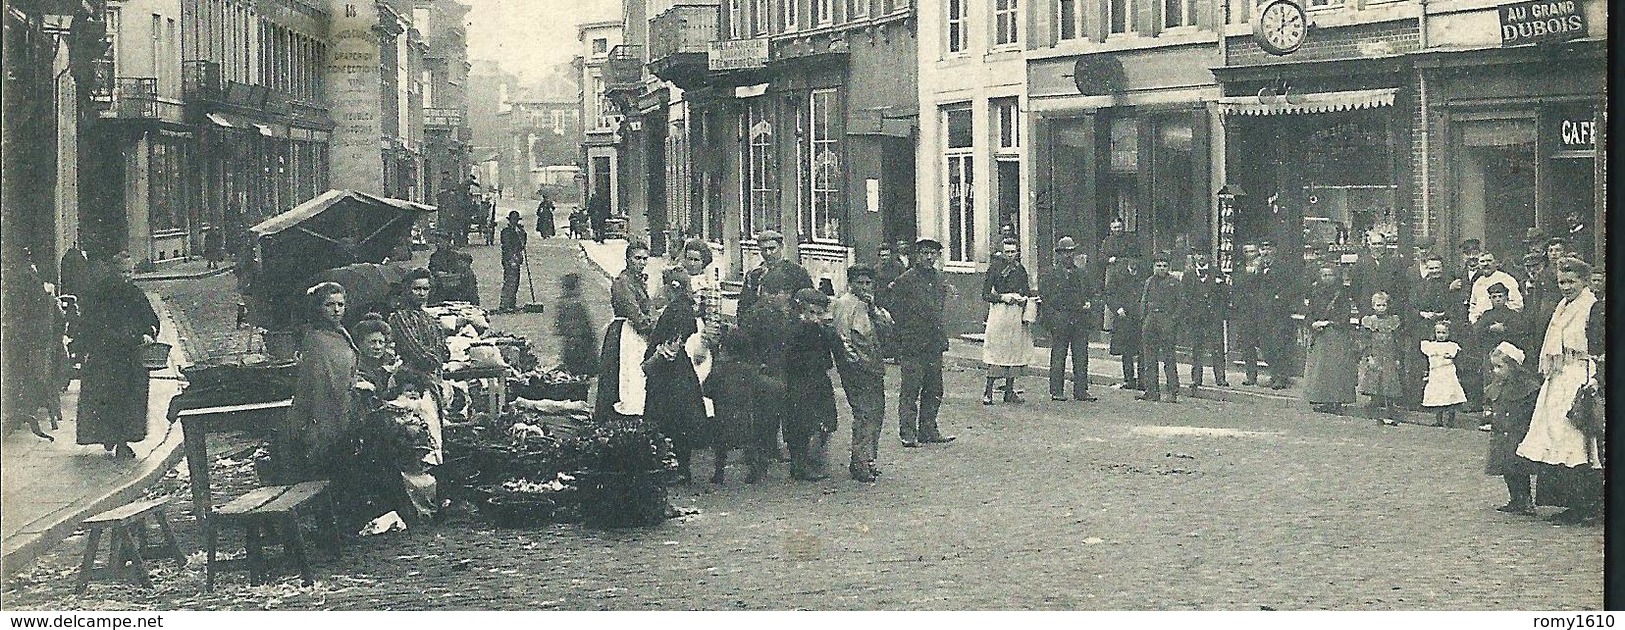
[1541,21]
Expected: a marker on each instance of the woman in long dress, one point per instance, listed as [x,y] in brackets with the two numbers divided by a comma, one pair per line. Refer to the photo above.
[706,298]
[675,404]
[316,440]
[1007,346]
[1570,456]
[621,380]
[118,321]
[1332,369]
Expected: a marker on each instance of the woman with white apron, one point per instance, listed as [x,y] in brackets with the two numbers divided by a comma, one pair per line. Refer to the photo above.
[1571,475]
[621,382]
[1008,344]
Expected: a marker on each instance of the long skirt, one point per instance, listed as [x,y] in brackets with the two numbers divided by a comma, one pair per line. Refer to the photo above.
[1009,340]
[1553,438]
[113,391]
[1331,373]
[621,383]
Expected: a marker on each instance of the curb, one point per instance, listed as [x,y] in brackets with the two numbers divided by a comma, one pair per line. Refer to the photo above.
[165,456]
[158,276]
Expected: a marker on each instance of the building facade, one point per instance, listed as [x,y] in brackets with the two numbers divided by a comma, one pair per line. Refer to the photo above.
[543,132]
[601,120]
[443,80]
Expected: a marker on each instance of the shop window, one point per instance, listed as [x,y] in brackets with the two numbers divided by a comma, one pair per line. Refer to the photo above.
[1008,114]
[761,194]
[958,182]
[1006,31]
[1177,13]
[1123,168]
[1068,20]
[1120,16]
[822,220]
[958,11]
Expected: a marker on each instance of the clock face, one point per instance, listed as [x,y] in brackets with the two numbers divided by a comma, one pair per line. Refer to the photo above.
[1280,27]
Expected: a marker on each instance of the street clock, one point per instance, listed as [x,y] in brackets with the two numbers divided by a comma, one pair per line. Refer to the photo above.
[1280,27]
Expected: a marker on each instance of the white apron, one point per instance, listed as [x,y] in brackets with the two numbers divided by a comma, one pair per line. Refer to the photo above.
[632,381]
[1009,340]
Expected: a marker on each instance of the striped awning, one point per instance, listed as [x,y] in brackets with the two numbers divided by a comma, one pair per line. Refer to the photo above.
[1310,103]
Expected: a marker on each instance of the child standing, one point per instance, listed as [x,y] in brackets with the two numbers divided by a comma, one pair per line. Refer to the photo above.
[732,389]
[1379,369]
[809,354]
[1443,392]
[1509,405]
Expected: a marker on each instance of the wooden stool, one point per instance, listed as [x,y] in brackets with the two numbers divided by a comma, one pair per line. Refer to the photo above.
[128,542]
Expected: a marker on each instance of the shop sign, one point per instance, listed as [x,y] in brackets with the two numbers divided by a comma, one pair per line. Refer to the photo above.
[1574,129]
[737,54]
[1542,21]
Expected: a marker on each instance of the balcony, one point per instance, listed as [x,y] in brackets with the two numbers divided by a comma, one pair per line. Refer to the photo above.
[137,98]
[623,70]
[200,80]
[437,118]
[679,40]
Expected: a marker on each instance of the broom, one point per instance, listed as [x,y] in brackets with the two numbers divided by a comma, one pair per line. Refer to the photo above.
[530,279]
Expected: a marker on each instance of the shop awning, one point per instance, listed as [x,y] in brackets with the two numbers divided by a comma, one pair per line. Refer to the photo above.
[265,130]
[750,91]
[219,120]
[1310,103]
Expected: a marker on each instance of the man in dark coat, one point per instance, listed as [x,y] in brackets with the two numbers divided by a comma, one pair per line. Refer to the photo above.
[767,325]
[514,239]
[1377,271]
[1067,292]
[1160,302]
[776,274]
[1500,324]
[1207,293]
[1125,282]
[598,215]
[119,321]
[1278,294]
[1246,312]
[920,297]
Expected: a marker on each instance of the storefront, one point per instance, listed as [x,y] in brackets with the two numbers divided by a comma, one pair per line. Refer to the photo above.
[1522,146]
[1125,137]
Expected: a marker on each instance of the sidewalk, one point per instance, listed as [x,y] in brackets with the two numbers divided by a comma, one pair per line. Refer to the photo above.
[48,488]
[965,352]
[184,270]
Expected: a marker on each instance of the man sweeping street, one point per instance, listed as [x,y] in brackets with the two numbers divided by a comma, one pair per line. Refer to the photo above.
[513,256]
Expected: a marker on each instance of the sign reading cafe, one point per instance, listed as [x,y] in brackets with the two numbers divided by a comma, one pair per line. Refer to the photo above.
[1541,21]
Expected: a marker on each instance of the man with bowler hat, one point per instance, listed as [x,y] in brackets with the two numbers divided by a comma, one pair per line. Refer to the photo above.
[920,297]
[1207,293]
[1067,292]
[513,256]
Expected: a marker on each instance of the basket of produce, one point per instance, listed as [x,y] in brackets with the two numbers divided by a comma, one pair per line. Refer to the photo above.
[521,503]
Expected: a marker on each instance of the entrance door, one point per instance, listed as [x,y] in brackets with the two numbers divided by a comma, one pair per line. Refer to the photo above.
[897,190]
[1495,185]
[600,176]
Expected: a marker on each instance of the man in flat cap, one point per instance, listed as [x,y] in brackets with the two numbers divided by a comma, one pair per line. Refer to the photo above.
[920,297]
[776,274]
[1160,302]
[861,323]
[1067,292]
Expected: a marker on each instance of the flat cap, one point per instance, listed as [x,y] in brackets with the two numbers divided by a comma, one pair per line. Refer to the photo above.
[1066,244]
[927,244]
[769,235]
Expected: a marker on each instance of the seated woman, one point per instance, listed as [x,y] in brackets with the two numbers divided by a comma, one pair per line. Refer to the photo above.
[376,361]
[396,451]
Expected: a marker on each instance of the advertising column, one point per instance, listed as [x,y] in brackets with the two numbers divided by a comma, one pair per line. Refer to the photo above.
[353,90]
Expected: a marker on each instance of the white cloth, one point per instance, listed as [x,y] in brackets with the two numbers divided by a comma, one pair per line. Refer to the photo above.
[633,383]
[1480,301]
[1567,365]
[700,354]
[1009,340]
[1443,387]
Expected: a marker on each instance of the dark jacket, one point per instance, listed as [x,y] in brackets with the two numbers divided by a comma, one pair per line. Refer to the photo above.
[1373,275]
[1516,331]
[1207,296]
[513,246]
[1329,303]
[779,276]
[629,298]
[1162,296]
[1006,278]
[1066,297]
[767,327]
[920,297]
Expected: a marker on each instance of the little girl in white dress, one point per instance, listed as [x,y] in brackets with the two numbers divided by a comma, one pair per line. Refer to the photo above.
[1443,391]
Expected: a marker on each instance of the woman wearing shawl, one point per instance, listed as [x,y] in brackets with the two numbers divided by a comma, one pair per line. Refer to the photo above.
[1570,455]
[113,385]
[316,439]
[675,404]
[1332,369]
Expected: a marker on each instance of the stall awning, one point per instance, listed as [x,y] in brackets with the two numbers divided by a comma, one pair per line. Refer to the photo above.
[219,120]
[1310,103]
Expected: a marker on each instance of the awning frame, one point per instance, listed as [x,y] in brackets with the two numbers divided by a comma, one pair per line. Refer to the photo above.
[1309,103]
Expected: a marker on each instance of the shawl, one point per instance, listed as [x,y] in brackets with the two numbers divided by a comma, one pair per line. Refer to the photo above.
[1567,330]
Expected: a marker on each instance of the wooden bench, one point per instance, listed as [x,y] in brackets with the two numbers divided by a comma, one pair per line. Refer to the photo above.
[128,545]
[268,514]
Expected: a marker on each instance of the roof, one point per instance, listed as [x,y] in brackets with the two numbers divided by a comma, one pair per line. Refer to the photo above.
[322,202]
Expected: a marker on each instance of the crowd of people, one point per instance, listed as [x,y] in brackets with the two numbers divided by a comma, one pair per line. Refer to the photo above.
[1472,345]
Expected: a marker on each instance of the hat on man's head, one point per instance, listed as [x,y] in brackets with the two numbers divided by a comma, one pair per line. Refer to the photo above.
[513,215]
[1066,244]
[1499,287]
[1534,235]
[1266,243]
[859,271]
[811,296]
[1472,245]
[769,235]
[1162,256]
[927,244]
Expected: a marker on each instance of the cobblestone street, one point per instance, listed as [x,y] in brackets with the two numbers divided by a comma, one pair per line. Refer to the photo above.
[1118,504]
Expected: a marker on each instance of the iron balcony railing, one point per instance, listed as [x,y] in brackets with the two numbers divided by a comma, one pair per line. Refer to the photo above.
[624,67]
[682,29]
[138,98]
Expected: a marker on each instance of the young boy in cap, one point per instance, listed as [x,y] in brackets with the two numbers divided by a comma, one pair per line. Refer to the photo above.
[861,323]
[809,355]
[1161,299]
[1510,394]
